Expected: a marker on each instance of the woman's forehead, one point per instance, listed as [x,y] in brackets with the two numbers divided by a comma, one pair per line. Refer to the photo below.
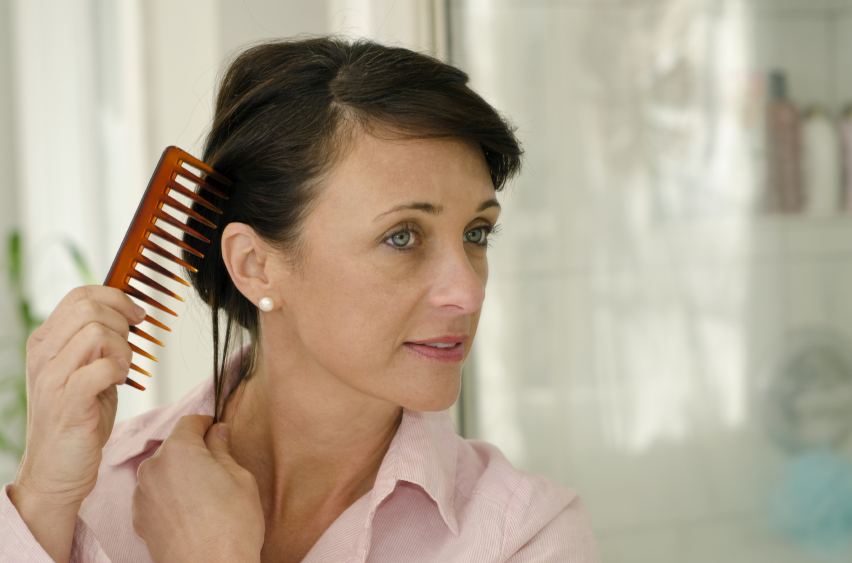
[393,168]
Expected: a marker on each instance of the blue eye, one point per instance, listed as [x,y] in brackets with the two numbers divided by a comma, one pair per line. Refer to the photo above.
[401,238]
[477,236]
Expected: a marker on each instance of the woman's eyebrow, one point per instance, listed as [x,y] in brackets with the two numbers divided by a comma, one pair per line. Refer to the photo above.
[427,207]
[488,203]
[433,209]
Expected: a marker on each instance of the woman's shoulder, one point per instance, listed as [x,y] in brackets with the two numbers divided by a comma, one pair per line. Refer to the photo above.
[489,507]
[540,518]
[483,470]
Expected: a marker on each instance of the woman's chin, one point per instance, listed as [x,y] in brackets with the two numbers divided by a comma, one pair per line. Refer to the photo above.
[434,398]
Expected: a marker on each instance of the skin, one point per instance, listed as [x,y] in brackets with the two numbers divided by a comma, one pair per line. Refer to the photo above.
[304,437]
[74,362]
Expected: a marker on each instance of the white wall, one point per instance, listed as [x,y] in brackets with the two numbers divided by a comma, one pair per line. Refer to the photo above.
[10,333]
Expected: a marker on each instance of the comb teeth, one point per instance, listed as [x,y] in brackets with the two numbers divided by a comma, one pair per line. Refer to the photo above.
[148,263]
[137,275]
[186,210]
[169,220]
[186,157]
[142,352]
[153,209]
[168,237]
[186,192]
[142,334]
[195,179]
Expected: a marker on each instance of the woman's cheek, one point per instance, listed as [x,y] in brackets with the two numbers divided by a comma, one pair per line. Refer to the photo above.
[357,316]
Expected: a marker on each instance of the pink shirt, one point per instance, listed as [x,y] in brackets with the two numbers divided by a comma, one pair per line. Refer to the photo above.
[437,497]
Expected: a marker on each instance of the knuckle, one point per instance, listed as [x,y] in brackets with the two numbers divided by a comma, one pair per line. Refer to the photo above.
[171,451]
[123,346]
[35,338]
[95,331]
[86,308]
[79,293]
[109,367]
[247,479]
[35,363]
[40,383]
[143,471]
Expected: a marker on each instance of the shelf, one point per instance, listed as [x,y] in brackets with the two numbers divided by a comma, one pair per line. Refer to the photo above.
[701,245]
[800,7]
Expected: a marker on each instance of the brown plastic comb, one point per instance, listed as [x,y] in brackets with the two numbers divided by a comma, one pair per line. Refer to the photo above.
[153,208]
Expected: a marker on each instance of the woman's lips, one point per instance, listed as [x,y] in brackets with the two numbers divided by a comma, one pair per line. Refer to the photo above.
[454,353]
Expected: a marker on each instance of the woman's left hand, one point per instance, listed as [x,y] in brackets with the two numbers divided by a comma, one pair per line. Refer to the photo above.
[193,502]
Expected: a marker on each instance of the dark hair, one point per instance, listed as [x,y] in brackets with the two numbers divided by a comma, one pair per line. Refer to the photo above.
[284,112]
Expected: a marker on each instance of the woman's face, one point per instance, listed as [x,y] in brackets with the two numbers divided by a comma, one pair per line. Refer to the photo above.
[387,296]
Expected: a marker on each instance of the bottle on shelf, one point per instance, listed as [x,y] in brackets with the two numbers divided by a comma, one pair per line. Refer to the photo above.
[783,150]
[820,164]
[845,130]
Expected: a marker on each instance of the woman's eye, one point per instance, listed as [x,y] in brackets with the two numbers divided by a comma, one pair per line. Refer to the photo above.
[402,238]
[477,236]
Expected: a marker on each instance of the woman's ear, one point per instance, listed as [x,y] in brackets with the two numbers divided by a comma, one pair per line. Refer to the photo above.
[250,263]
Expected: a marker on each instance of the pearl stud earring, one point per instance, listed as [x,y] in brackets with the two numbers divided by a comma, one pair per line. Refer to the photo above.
[266,304]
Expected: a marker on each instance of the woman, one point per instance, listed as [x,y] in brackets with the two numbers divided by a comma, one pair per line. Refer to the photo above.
[352,253]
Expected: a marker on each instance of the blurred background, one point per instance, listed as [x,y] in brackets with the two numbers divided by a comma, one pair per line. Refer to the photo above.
[668,327]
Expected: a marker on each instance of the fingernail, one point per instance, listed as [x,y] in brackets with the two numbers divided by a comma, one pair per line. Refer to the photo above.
[124,365]
[224,432]
[140,312]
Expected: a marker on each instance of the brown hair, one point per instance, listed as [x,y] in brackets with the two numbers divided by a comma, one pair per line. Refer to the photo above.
[283,112]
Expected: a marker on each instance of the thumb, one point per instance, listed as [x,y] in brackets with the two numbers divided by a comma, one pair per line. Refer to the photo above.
[218,441]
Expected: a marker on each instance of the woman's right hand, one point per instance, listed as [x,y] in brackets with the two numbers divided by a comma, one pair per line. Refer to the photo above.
[74,361]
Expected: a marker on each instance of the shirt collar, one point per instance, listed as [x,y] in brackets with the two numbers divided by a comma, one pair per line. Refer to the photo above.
[138,435]
[423,451]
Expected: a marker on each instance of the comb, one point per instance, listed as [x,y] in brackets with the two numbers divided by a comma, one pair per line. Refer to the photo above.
[151,215]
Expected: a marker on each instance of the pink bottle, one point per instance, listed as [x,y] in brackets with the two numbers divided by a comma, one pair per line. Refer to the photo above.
[846,158]
[783,150]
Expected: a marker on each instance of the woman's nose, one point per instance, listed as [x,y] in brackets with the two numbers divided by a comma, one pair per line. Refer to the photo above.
[457,283]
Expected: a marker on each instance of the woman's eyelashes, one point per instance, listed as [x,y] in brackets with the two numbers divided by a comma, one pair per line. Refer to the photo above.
[405,237]
[408,236]
[481,235]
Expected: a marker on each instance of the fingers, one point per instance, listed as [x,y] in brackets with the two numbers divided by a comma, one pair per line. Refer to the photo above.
[217,441]
[75,319]
[185,441]
[191,428]
[93,342]
[91,380]
[198,428]
[136,510]
[108,296]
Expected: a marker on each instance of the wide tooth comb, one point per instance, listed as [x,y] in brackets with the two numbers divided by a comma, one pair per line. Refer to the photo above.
[153,208]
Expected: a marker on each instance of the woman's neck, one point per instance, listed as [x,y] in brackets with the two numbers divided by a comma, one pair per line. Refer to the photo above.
[313,443]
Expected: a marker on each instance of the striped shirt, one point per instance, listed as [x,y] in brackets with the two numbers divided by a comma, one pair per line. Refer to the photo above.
[437,497]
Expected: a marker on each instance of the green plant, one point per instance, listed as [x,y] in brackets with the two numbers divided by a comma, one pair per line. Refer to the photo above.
[13,384]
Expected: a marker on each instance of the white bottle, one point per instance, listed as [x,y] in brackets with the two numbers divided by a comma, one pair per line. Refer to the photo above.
[821,164]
